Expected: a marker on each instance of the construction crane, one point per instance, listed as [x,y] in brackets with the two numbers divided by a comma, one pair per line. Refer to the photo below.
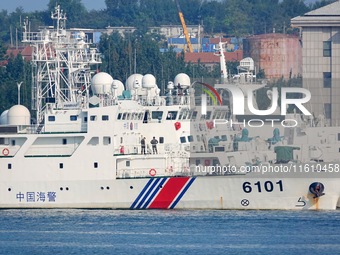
[185,30]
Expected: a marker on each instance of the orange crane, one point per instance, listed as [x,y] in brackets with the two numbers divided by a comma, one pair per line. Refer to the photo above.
[185,30]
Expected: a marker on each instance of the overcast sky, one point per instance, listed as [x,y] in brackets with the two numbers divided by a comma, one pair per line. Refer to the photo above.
[39,5]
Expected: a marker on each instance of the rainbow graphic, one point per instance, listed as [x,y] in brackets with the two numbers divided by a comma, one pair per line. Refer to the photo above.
[213,94]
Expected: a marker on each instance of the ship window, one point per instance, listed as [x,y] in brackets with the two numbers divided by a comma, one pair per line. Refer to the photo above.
[161,139]
[140,115]
[194,115]
[105,117]
[190,138]
[61,165]
[224,114]
[183,139]
[64,141]
[73,117]
[13,142]
[95,164]
[119,116]
[106,140]
[9,166]
[128,116]
[216,115]
[327,79]
[124,116]
[51,118]
[171,115]
[327,48]
[224,138]
[215,162]
[93,141]
[184,114]
[206,116]
[338,136]
[219,148]
[127,163]
[93,118]
[157,115]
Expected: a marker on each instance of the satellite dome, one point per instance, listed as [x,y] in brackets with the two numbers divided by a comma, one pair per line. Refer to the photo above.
[247,63]
[3,118]
[149,81]
[101,83]
[183,80]
[133,80]
[118,86]
[18,115]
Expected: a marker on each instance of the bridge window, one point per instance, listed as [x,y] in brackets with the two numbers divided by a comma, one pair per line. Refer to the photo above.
[157,115]
[171,115]
[73,118]
[51,118]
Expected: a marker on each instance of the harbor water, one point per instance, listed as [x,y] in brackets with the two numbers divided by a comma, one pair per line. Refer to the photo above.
[169,232]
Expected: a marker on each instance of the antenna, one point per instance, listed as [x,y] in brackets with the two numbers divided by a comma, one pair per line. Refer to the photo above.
[19,84]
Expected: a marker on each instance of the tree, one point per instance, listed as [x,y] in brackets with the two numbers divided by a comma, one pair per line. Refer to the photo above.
[237,20]
[123,12]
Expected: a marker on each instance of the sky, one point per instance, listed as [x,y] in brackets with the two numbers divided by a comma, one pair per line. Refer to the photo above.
[39,5]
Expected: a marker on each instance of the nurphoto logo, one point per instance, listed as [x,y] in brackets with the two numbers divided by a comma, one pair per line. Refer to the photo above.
[239,98]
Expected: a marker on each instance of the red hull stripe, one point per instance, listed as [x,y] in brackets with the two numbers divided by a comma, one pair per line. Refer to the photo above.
[168,193]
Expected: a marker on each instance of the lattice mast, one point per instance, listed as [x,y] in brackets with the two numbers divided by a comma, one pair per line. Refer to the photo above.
[61,66]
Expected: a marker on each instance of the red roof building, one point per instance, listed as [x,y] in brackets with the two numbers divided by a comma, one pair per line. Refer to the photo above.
[209,59]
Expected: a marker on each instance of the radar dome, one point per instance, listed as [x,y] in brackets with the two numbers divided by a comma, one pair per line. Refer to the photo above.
[183,80]
[101,83]
[247,64]
[118,86]
[133,81]
[3,118]
[18,115]
[149,81]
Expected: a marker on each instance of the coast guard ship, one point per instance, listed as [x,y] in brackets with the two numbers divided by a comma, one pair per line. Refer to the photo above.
[85,148]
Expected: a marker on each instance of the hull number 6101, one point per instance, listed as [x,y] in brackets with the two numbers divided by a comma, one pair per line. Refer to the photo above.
[267,186]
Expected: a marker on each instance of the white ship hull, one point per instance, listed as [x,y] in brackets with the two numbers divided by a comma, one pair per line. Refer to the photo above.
[201,192]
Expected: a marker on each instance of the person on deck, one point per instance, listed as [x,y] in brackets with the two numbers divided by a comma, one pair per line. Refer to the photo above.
[142,143]
[154,145]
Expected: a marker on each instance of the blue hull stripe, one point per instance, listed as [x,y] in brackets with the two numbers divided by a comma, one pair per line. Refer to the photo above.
[182,193]
[154,193]
[141,194]
[154,184]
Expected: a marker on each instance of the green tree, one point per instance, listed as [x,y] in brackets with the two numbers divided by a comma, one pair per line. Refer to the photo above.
[237,20]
